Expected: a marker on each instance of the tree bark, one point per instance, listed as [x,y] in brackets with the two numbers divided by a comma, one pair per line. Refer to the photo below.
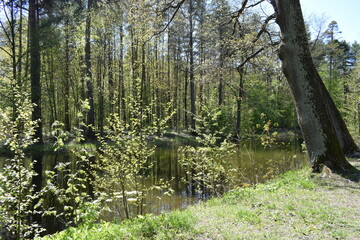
[347,142]
[323,145]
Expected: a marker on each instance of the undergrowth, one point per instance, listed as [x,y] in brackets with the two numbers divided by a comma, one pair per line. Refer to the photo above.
[296,205]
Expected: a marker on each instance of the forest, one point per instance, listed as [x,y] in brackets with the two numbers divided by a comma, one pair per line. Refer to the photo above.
[114,74]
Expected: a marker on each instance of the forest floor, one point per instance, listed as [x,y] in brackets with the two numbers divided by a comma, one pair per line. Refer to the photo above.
[296,205]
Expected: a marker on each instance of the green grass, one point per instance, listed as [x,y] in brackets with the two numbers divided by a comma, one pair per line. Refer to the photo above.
[297,205]
[174,225]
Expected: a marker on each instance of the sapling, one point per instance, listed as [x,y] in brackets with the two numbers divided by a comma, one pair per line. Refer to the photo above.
[124,158]
[17,195]
[204,163]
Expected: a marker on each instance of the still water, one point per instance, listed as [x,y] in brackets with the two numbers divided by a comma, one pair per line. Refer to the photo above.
[251,162]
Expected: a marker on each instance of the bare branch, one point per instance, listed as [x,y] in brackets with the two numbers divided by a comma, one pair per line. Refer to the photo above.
[243,7]
[177,8]
[6,51]
[263,27]
[250,57]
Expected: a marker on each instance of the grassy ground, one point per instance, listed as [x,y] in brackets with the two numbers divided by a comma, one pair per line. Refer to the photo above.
[297,205]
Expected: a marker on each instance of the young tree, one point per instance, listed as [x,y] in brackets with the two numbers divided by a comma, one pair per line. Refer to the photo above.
[310,96]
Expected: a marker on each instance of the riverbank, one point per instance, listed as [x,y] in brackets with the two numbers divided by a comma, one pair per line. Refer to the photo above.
[297,205]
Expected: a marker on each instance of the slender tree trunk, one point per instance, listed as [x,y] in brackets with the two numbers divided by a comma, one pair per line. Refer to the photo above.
[134,63]
[191,70]
[322,143]
[358,113]
[19,79]
[52,85]
[221,69]
[121,86]
[101,85]
[143,85]
[47,84]
[67,79]
[169,87]
[110,51]
[90,135]
[186,86]
[239,102]
[201,55]
[12,41]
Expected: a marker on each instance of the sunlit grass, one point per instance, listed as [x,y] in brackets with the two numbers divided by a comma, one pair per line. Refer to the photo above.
[296,205]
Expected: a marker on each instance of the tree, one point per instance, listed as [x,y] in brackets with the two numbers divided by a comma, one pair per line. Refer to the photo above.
[34,38]
[191,67]
[309,95]
[88,74]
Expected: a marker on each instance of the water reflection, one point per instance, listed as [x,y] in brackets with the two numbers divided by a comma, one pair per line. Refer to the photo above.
[252,164]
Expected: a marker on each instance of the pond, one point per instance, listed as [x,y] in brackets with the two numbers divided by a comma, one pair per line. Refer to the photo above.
[252,163]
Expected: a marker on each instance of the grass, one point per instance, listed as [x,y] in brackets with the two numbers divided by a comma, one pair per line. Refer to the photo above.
[297,205]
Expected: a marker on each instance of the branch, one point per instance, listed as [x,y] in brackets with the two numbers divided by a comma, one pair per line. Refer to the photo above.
[6,51]
[250,57]
[6,33]
[237,14]
[177,8]
[263,27]
[231,87]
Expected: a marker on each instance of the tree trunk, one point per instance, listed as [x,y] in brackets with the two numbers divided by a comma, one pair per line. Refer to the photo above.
[191,72]
[35,98]
[322,143]
[347,143]
[67,78]
[169,87]
[35,67]
[121,86]
[358,113]
[186,86]
[88,76]
[110,67]
[239,102]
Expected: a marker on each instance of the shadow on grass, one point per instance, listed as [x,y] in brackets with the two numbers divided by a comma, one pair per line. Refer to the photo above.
[352,175]
[349,180]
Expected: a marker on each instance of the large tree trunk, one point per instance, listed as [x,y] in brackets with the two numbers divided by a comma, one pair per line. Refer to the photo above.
[320,137]
[347,143]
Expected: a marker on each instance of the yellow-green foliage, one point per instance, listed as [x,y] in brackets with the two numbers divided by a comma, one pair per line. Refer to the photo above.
[16,189]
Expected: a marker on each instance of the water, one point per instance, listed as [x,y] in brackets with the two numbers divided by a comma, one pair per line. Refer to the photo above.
[251,162]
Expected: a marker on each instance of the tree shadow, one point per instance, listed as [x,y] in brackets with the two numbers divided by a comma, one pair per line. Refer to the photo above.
[345,180]
[352,175]
[341,180]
